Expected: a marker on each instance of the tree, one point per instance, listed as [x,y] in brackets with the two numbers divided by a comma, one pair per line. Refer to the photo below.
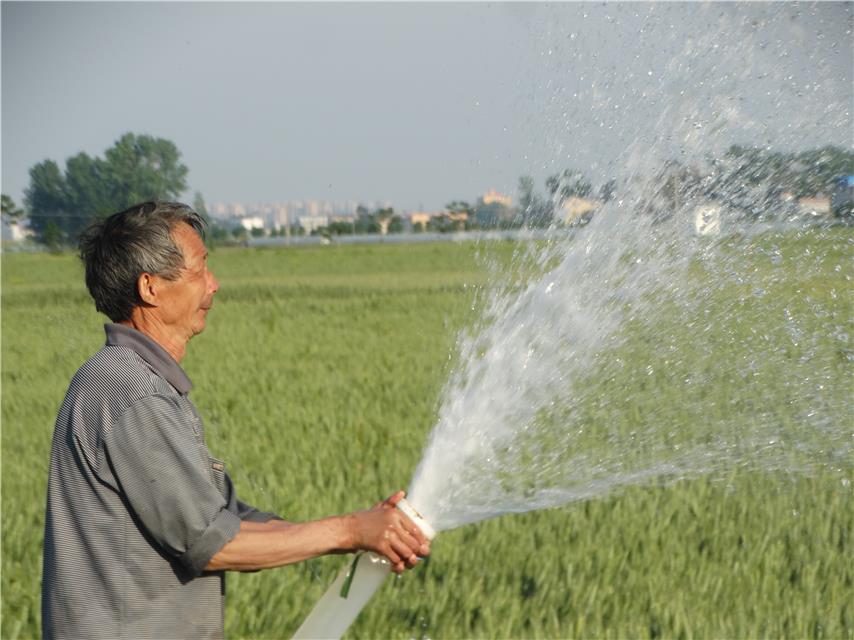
[396,225]
[804,174]
[46,199]
[440,223]
[607,190]
[458,213]
[527,197]
[52,237]
[341,228]
[199,205]
[533,210]
[134,169]
[10,210]
[218,234]
[819,169]
[446,222]
[87,190]
[383,218]
[144,168]
[366,222]
[459,207]
[568,184]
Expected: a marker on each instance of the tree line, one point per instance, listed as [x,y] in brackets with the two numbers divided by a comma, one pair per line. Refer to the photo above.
[60,203]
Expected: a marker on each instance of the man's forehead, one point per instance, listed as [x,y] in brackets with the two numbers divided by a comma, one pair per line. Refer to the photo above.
[189,241]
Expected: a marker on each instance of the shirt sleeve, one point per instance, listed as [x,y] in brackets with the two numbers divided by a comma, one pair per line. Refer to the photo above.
[251,514]
[162,467]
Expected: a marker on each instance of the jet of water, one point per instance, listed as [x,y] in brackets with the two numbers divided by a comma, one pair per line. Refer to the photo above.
[550,402]
[637,352]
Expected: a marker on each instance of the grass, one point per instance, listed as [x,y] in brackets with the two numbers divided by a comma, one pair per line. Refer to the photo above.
[318,378]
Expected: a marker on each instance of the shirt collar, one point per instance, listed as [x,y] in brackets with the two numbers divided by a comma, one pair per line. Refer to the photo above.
[163,364]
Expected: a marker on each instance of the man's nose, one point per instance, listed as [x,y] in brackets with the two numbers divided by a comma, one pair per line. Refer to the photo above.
[214,284]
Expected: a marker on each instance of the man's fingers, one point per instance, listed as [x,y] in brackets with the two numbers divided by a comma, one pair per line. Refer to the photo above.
[420,541]
[393,550]
[391,501]
[395,498]
[410,542]
[407,548]
[402,550]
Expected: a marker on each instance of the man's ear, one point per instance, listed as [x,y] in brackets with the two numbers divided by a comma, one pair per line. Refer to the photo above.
[146,287]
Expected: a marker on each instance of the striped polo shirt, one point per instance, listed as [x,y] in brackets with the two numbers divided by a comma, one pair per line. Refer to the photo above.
[136,504]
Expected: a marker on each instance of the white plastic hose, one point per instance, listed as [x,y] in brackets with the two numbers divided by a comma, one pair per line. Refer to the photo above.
[352,589]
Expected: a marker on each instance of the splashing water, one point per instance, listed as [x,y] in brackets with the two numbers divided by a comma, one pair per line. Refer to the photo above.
[561,397]
[636,350]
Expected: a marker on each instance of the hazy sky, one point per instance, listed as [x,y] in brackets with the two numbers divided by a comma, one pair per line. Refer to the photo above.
[418,104]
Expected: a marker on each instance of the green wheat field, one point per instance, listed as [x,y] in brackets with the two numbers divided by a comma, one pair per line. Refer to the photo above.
[319,378]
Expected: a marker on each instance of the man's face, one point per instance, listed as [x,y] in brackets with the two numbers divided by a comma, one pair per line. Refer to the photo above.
[187,299]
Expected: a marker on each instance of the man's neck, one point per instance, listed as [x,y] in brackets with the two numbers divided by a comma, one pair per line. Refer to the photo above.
[150,325]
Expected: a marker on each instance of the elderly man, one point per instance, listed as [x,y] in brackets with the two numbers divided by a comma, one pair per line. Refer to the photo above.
[142,521]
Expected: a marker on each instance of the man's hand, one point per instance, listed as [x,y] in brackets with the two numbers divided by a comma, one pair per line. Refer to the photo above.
[383,529]
[386,530]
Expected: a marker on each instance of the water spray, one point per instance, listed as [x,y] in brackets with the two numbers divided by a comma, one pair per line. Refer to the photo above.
[353,588]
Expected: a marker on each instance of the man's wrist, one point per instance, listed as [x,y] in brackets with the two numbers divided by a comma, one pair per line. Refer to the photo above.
[347,532]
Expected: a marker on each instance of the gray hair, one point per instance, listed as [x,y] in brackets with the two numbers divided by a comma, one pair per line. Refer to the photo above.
[118,249]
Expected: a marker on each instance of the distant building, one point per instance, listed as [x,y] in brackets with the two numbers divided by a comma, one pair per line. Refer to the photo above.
[494,197]
[217,209]
[439,220]
[280,217]
[492,209]
[252,222]
[575,210]
[707,219]
[418,219]
[347,208]
[312,223]
[816,205]
[15,231]
[280,214]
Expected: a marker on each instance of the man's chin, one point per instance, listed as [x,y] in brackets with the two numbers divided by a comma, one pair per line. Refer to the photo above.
[200,326]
